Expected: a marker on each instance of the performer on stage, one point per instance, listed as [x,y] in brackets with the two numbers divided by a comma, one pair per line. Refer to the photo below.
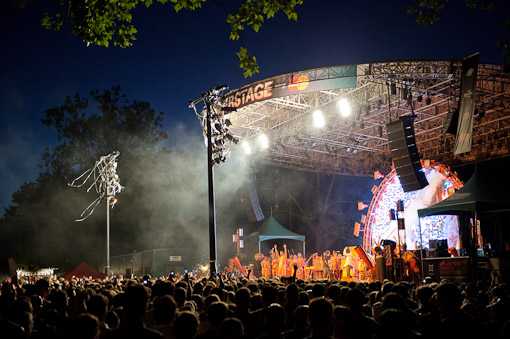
[300,261]
[291,263]
[411,267]
[266,268]
[318,267]
[348,262]
[326,257]
[282,260]
[336,265]
[274,265]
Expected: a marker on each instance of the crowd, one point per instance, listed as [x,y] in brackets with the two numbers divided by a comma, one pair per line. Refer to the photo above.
[226,307]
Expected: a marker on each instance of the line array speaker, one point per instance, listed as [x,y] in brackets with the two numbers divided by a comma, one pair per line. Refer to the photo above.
[405,155]
[253,210]
[451,121]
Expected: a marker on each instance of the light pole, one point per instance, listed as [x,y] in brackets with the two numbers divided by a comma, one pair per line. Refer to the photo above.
[107,185]
[212,208]
[215,127]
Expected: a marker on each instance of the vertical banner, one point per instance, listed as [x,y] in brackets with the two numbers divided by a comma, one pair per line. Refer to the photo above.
[464,138]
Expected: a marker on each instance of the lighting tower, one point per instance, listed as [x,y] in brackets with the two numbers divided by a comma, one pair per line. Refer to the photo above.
[215,126]
[107,185]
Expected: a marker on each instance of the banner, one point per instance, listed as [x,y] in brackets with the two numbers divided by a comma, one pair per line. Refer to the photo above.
[320,79]
[464,138]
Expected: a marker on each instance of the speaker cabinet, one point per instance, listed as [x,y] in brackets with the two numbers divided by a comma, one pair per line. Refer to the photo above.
[451,121]
[405,155]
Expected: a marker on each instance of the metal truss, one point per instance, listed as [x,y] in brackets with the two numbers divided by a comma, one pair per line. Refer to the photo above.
[358,145]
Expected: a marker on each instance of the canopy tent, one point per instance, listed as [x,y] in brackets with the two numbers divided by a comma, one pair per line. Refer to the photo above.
[272,229]
[84,271]
[482,194]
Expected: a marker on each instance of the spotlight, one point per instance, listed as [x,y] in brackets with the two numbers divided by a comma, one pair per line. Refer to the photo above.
[419,98]
[348,150]
[246,147]
[428,100]
[264,141]
[404,93]
[345,107]
[479,114]
[318,119]
[228,109]
[232,138]
[393,88]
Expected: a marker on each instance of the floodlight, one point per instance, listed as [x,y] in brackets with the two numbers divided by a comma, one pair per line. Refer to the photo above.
[344,107]
[264,141]
[246,147]
[232,138]
[318,119]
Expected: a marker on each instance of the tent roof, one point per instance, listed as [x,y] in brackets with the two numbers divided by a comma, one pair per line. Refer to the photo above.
[272,229]
[481,193]
[84,270]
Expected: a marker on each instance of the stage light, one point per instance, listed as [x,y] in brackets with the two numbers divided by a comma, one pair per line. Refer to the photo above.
[246,147]
[232,138]
[354,151]
[419,98]
[348,150]
[345,107]
[393,89]
[378,175]
[263,141]
[318,119]
[228,109]
[428,100]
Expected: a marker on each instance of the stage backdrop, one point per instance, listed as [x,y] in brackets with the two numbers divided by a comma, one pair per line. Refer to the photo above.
[379,226]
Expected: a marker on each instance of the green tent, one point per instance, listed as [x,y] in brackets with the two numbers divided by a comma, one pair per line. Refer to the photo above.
[272,229]
[482,194]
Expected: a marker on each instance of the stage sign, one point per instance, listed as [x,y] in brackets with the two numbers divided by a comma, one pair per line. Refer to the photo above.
[464,138]
[321,79]
[175,258]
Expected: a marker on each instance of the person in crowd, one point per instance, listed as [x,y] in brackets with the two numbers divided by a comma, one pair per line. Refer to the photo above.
[249,307]
[136,299]
[185,325]
[321,318]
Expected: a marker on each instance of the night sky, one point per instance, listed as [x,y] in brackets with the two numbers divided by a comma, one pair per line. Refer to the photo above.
[178,56]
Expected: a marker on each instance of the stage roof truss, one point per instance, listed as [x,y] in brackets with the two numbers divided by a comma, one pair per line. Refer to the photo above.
[358,145]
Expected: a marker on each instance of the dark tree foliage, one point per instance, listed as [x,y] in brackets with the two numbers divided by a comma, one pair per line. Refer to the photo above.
[100,22]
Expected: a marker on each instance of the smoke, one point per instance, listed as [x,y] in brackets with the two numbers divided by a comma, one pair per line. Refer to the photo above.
[173,189]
